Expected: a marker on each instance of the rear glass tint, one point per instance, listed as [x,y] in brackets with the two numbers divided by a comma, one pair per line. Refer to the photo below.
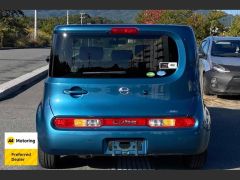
[113,56]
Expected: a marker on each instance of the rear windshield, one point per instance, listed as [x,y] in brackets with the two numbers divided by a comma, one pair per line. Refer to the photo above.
[226,48]
[75,55]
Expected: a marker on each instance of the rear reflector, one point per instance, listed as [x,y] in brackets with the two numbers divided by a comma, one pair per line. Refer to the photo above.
[179,122]
[130,31]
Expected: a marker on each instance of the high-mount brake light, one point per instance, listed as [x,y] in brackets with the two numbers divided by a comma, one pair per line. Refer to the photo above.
[177,122]
[125,30]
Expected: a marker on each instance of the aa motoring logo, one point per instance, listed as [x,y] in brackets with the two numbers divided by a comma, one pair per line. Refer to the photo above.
[21,149]
[10,140]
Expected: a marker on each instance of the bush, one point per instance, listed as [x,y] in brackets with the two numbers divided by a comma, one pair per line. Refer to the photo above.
[43,40]
[21,43]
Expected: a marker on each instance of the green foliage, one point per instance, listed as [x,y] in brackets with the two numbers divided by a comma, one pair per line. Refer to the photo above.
[203,25]
[16,30]
[149,16]
[212,21]
[10,27]
[127,16]
[175,16]
[197,22]
[47,25]
[234,30]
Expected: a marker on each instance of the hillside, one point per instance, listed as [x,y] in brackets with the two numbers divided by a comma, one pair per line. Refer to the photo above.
[128,16]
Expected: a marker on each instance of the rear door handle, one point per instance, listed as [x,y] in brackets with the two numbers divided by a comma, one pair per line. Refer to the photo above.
[75,91]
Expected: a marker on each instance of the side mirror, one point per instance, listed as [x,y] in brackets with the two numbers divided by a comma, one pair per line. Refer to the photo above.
[48,59]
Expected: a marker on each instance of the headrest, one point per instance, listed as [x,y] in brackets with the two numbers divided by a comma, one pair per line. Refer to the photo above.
[119,55]
[92,53]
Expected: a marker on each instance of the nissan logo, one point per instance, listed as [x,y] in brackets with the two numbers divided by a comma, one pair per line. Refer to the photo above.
[124,90]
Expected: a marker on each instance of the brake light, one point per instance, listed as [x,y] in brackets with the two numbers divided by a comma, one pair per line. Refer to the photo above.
[130,31]
[179,122]
[76,123]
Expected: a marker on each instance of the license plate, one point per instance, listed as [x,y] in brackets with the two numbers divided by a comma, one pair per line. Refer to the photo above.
[125,147]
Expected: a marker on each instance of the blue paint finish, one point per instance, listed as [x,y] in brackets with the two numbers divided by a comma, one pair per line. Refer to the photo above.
[173,96]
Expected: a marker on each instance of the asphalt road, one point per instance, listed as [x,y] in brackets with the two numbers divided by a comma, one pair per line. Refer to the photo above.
[16,62]
[17,114]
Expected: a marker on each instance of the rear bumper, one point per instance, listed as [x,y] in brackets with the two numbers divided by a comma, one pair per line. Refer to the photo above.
[223,83]
[184,141]
[158,142]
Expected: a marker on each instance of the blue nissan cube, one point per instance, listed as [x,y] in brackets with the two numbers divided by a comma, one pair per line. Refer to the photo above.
[123,90]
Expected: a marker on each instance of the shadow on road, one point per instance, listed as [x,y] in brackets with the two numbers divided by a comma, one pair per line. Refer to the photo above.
[224,147]
[131,163]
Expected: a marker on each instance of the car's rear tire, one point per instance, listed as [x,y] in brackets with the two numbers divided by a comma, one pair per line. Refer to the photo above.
[48,161]
[195,161]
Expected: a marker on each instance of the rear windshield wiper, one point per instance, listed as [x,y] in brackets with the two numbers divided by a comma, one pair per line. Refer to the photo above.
[105,72]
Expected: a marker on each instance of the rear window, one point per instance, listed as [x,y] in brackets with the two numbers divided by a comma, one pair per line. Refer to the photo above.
[76,55]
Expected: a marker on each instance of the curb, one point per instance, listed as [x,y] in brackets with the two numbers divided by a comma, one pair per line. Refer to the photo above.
[14,85]
[9,48]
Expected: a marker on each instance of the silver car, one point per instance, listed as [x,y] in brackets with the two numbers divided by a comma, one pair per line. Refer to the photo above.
[220,57]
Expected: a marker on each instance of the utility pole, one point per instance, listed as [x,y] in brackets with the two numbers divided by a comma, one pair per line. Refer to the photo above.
[82,17]
[35,25]
[67,18]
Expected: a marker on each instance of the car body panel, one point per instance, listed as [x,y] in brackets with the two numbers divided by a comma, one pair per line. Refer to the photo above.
[178,95]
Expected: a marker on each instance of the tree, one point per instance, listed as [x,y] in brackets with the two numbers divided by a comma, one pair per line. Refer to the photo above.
[213,25]
[17,29]
[149,16]
[234,29]
[197,22]
[175,17]
[9,23]
[201,24]
[184,17]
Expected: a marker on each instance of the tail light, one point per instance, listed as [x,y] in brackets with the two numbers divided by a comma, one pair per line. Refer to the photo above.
[76,123]
[179,122]
[129,30]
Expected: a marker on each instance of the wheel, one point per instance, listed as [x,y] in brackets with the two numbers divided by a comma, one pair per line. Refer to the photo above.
[48,161]
[205,86]
[195,161]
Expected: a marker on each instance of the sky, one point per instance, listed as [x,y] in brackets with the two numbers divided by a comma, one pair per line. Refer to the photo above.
[233,12]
